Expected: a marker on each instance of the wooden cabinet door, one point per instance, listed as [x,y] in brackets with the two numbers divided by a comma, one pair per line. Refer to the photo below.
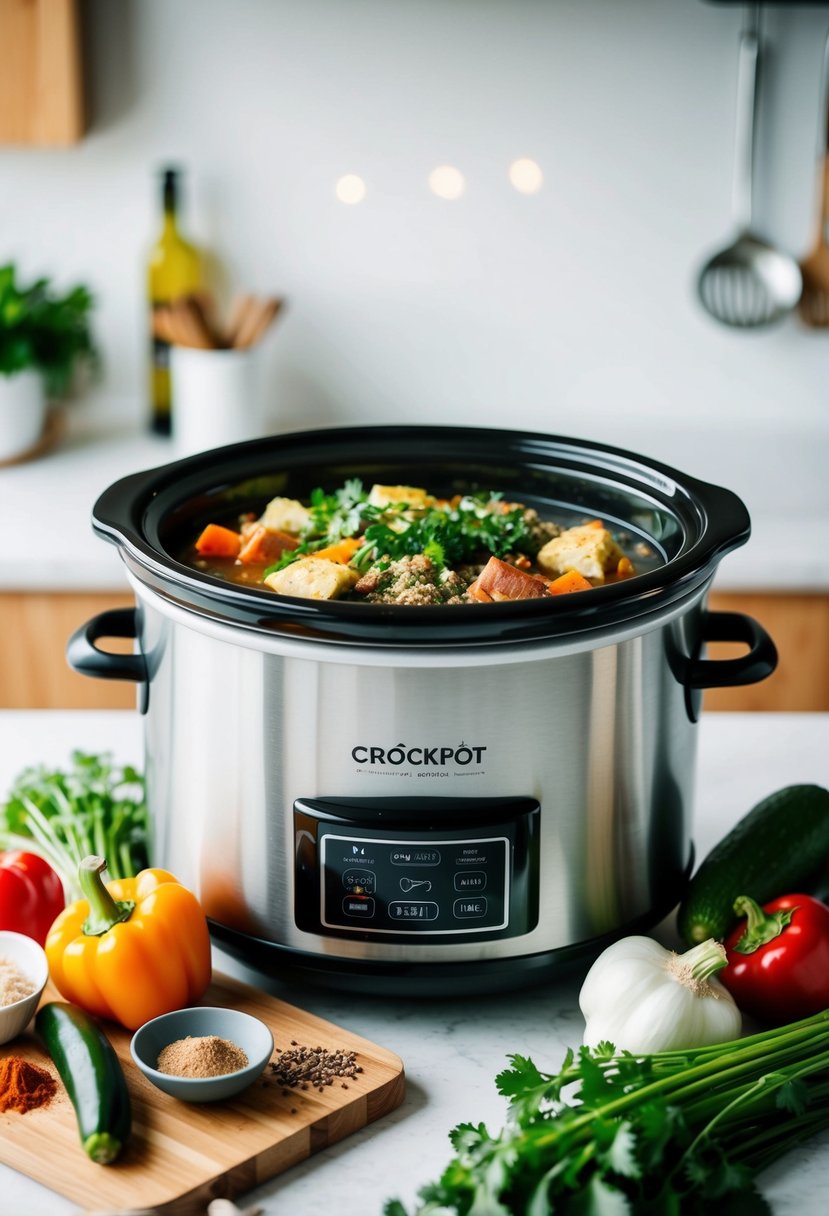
[799,626]
[35,626]
[34,673]
[41,97]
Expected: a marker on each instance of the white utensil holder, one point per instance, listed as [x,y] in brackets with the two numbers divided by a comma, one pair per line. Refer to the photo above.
[216,397]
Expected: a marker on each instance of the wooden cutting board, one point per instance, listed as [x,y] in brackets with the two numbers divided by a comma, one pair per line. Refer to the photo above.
[181,1155]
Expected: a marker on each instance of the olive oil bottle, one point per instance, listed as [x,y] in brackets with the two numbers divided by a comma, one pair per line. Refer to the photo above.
[175,269]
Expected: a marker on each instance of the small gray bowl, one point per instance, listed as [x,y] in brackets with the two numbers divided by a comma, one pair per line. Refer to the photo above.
[247,1032]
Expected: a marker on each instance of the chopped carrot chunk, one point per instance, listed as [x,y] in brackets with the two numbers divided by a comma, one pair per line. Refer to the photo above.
[265,545]
[571,580]
[625,568]
[342,551]
[594,523]
[216,541]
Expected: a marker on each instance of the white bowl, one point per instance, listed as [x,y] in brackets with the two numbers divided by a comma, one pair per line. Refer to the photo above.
[30,958]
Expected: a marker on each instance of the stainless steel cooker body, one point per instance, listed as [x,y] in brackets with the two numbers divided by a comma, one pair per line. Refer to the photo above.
[405,800]
[598,734]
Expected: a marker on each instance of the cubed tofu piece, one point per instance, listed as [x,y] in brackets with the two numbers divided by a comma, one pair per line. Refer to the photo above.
[590,550]
[389,496]
[285,515]
[313,578]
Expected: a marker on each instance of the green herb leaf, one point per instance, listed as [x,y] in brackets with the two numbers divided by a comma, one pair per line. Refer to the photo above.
[670,1134]
[793,1096]
[599,1199]
[621,1155]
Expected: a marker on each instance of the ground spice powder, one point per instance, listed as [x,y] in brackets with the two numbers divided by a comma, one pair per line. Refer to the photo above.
[201,1056]
[23,1086]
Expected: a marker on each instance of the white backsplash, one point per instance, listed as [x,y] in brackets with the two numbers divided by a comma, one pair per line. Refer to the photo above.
[571,310]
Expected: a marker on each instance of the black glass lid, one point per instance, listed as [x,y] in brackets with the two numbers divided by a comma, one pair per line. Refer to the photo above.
[689,525]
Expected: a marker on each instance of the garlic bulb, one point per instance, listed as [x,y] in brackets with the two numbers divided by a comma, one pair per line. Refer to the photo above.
[644,998]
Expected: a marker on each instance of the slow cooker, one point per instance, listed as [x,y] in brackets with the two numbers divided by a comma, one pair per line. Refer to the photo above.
[423,799]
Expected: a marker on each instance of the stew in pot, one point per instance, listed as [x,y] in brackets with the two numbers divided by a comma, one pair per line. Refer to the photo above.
[404,545]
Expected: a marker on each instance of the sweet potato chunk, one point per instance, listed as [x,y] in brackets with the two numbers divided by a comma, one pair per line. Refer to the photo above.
[500,581]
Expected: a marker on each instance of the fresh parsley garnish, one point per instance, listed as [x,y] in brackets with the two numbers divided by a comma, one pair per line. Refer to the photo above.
[449,534]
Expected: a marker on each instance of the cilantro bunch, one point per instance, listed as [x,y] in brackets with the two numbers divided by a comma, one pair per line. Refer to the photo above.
[677,1133]
[94,807]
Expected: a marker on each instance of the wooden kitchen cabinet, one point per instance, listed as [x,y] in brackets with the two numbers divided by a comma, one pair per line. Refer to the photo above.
[799,626]
[34,674]
[34,627]
[41,94]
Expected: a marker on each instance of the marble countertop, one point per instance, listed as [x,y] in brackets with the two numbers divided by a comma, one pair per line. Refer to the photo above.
[452,1049]
[789,506]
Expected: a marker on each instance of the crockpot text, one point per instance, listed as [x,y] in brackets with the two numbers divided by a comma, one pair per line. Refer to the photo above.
[417,756]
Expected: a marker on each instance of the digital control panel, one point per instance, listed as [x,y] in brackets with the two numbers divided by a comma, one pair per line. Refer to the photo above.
[416,868]
[445,886]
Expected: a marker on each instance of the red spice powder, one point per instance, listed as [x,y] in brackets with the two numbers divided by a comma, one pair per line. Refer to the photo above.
[24,1086]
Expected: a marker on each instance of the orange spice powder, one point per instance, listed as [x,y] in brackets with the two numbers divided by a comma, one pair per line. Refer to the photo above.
[24,1086]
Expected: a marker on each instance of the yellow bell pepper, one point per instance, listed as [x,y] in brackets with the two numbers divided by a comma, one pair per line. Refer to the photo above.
[131,950]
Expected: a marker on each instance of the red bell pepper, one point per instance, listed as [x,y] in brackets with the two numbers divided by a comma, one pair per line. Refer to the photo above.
[778,959]
[31,894]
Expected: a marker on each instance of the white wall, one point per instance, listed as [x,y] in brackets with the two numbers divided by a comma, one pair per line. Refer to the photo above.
[572,310]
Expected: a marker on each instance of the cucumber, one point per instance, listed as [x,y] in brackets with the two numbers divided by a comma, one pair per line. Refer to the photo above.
[94,1079]
[780,847]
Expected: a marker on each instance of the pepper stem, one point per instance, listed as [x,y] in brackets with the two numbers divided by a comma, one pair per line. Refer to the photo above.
[761,927]
[104,911]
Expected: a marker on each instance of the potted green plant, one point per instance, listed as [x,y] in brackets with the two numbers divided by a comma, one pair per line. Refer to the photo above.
[44,336]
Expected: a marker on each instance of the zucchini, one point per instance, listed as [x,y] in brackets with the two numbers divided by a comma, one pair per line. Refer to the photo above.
[780,847]
[92,1074]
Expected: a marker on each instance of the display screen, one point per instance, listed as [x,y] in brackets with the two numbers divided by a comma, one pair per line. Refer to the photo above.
[442,886]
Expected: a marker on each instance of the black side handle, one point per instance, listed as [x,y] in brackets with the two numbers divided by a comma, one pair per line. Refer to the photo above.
[84,656]
[750,668]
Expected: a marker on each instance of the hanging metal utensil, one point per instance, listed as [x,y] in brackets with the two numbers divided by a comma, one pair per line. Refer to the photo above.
[814,302]
[749,283]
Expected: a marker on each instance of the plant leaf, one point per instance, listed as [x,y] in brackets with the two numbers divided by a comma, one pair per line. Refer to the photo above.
[621,1156]
[793,1096]
[599,1199]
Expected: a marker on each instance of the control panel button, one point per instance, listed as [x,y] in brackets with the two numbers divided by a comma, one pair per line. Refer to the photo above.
[470,880]
[360,907]
[422,885]
[359,882]
[412,856]
[465,909]
[407,910]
